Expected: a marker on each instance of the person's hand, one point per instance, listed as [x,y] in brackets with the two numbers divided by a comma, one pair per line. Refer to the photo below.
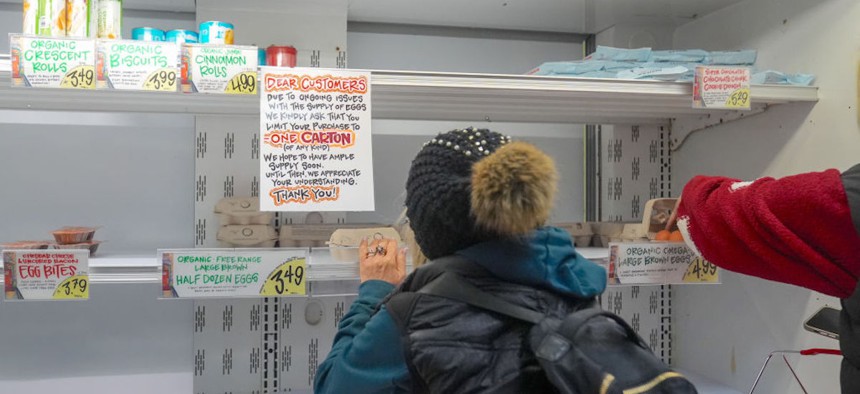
[381,260]
[674,216]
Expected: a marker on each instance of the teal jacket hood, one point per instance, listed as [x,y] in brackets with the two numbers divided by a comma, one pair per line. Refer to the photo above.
[545,258]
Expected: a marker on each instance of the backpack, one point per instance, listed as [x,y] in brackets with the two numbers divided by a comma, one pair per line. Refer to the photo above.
[589,351]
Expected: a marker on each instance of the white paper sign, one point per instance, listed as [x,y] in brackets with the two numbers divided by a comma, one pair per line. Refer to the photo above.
[220,69]
[138,65]
[721,88]
[44,62]
[41,274]
[657,263]
[315,140]
[197,273]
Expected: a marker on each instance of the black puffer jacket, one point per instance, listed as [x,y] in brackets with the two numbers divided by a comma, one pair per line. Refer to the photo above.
[849,325]
[452,347]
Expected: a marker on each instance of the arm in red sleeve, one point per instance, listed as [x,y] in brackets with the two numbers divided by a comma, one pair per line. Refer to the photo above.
[795,230]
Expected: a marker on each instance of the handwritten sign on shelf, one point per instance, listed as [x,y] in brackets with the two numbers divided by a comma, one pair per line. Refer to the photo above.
[219,69]
[46,274]
[316,151]
[657,263]
[42,62]
[722,88]
[200,273]
[138,65]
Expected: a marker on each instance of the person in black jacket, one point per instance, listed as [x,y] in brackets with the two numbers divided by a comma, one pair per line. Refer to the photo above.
[476,194]
[767,228]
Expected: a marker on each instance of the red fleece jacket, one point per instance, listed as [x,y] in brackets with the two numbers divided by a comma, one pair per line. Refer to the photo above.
[795,230]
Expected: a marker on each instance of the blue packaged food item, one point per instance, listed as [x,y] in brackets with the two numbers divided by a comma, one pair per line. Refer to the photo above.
[771,77]
[655,72]
[681,56]
[620,54]
[147,34]
[567,68]
[180,36]
[215,32]
[599,74]
[732,58]
[580,67]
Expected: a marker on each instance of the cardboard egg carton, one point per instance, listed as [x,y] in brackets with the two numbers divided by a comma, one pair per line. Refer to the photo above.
[581,232]
[344,242]
[242,211]
[314,235]
[247,236]
[654,219]
[600,234]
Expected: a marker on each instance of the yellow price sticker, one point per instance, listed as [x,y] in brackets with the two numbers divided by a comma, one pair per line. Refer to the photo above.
[163,80]
[739,99]
[243,83]
[290,278]
[81,77]
[701,271]
[75,287]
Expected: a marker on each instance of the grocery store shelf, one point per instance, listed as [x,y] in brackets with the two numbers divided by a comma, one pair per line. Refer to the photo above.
[322,267]
[437,96]
[145,383]
[125,269]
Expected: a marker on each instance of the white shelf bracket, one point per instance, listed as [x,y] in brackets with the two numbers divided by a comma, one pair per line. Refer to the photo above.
[683,127]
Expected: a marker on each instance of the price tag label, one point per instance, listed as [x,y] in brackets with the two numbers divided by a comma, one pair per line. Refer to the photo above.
[658,263]
[74,287]
[200,273]
[701,271]
[287,279]
[162,80]
[42,62]
[219,69]
[138,65]
[722,88]
[46,274]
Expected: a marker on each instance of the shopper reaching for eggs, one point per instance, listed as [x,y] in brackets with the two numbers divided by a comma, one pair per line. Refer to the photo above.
[477,203]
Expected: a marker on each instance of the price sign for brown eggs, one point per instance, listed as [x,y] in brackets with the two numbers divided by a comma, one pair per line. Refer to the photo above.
[658,263]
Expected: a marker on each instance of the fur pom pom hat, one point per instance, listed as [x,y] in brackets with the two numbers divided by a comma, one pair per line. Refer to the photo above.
[473,185]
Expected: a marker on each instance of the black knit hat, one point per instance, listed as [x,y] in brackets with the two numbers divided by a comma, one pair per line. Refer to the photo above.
[472,185]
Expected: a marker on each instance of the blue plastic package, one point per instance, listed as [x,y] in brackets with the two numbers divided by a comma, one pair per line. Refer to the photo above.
[620,54]
[658,73]
[599,74]
[580,67]
[566,68]
[617,66]
[683,56]
[731,58]
[800,79]
[771,77]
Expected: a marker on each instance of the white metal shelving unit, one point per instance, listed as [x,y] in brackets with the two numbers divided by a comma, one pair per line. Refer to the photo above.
[419,96]
[424,96]
[438,96]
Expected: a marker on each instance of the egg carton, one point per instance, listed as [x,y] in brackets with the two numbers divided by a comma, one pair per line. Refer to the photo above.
[654,219]
[247,236]
[242,211]
[581,232]
[343,242]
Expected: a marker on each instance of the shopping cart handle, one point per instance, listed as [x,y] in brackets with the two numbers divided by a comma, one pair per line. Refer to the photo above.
[814,351]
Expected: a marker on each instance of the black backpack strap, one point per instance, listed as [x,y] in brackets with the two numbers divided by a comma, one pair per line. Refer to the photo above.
[573,322]
[451,285]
